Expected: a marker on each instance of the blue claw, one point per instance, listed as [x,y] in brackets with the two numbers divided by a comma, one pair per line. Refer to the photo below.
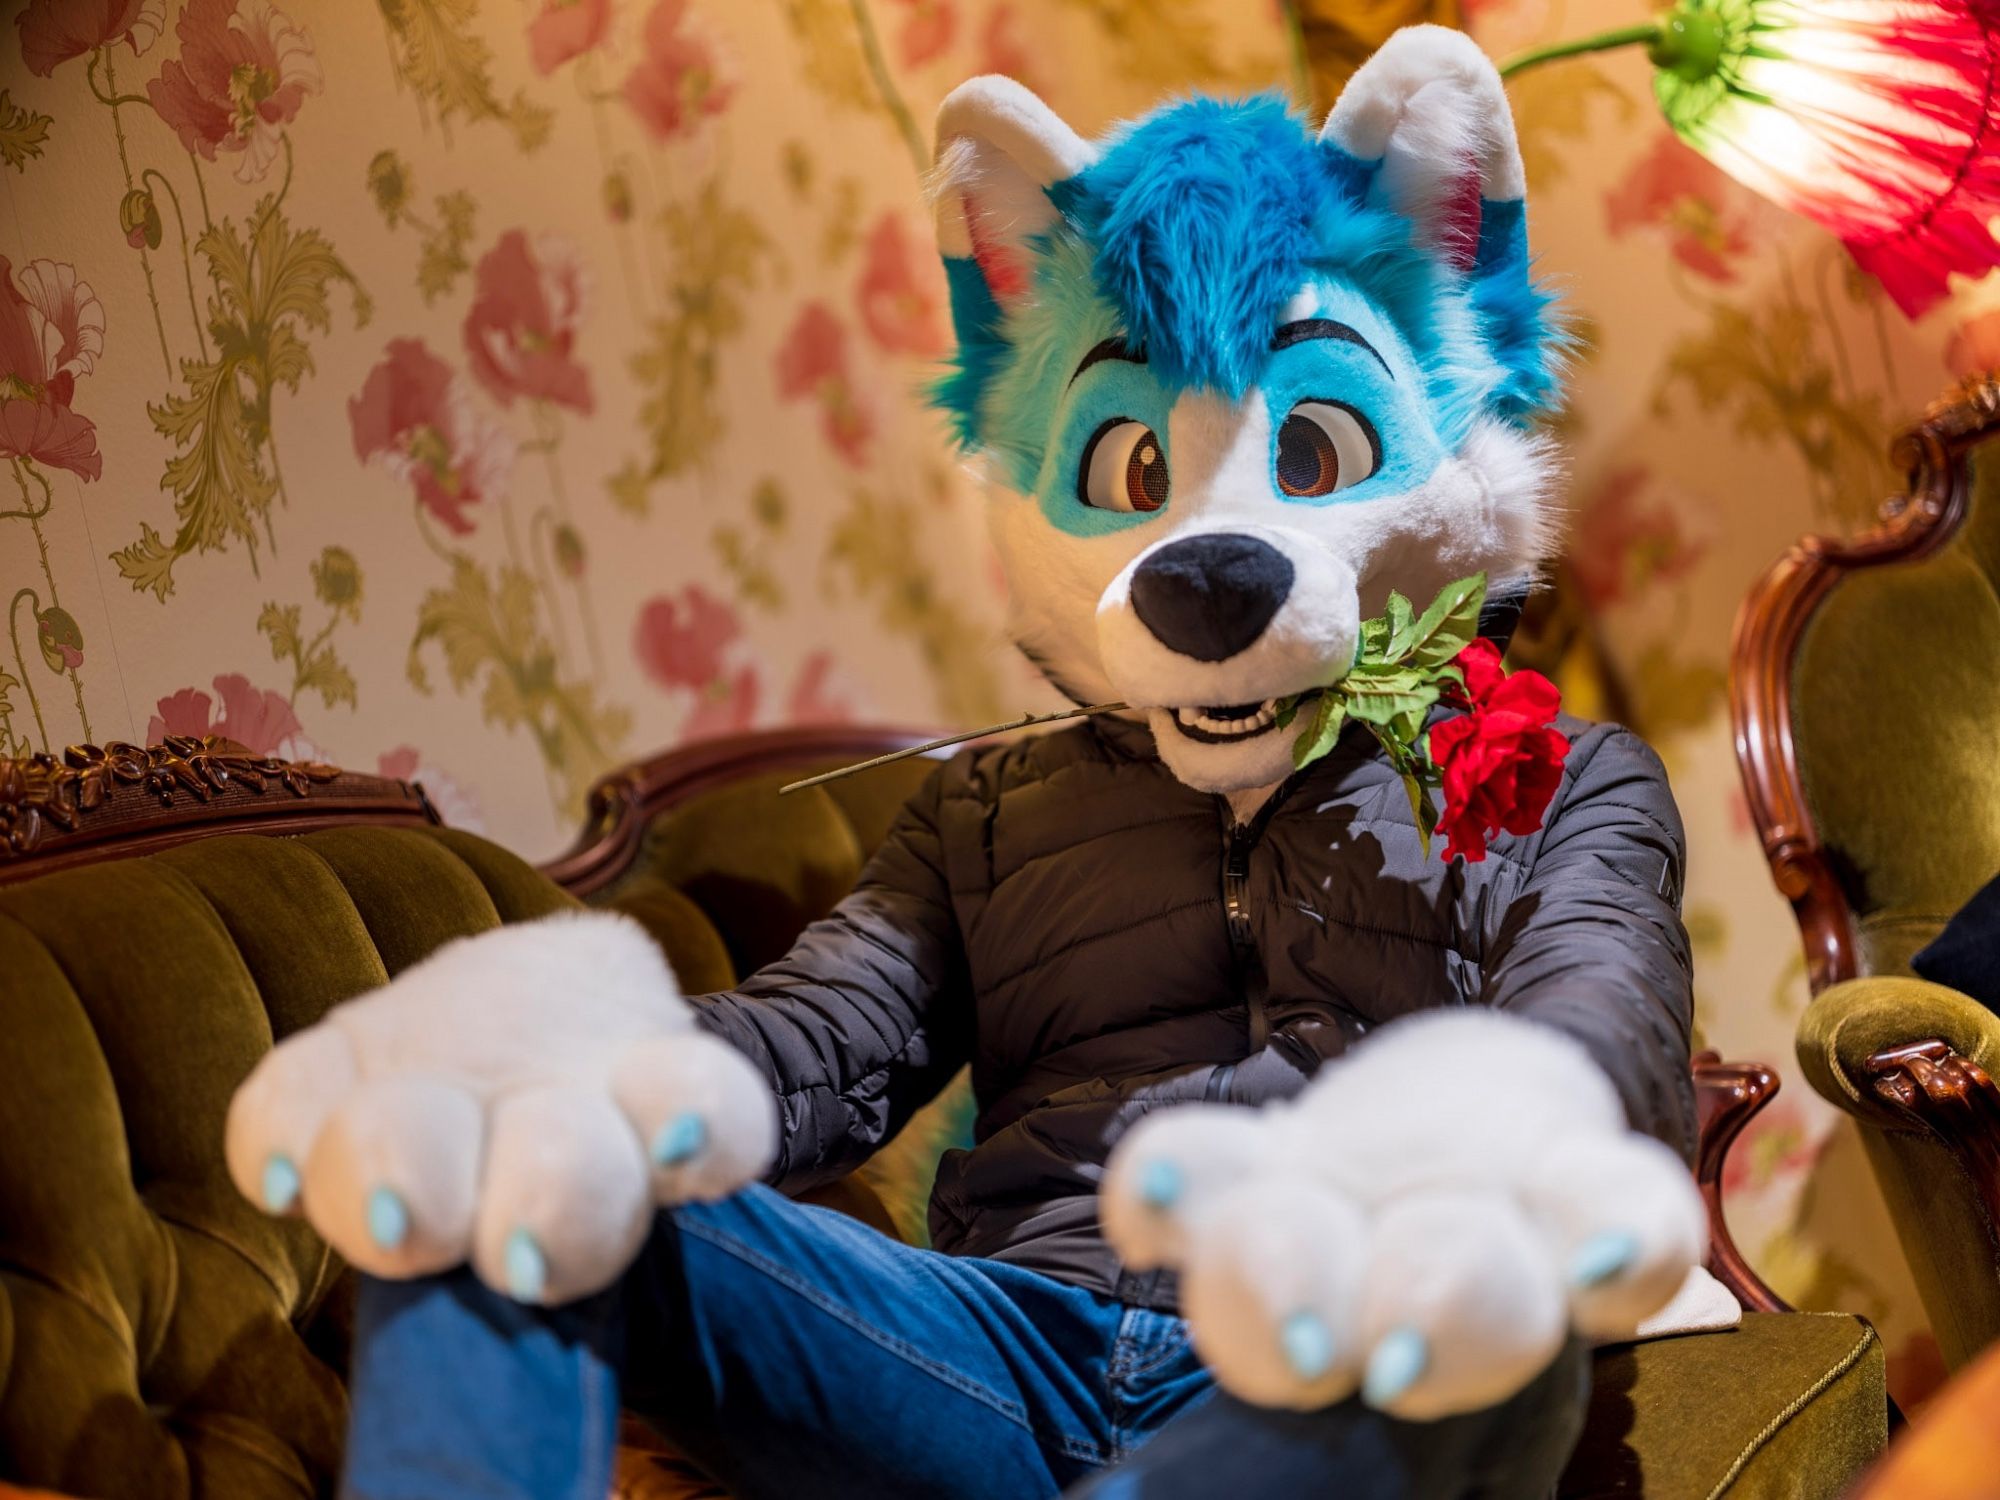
[388,1218]
[281,1183]
[1160,1184]
[1397,1364]
[1308,1344]
[527,1268]
[1602,1257]
[679,1139]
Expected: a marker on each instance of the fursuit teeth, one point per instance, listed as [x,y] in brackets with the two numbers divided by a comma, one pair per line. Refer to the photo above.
[1221,724]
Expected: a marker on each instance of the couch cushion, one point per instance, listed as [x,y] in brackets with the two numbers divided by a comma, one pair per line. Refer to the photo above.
[1789,1404]
[159,1335]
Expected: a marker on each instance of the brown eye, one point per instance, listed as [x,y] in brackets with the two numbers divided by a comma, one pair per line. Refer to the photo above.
[1323,447]
[1123,468]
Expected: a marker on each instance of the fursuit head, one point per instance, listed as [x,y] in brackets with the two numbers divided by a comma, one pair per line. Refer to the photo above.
[1235,381]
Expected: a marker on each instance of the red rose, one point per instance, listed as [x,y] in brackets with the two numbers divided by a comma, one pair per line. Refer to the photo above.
[1500,761]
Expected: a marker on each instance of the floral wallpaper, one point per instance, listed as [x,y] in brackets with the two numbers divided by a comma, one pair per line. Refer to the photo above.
[486,391]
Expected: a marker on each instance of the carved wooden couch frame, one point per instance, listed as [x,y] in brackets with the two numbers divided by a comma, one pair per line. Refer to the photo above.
[1922,1085]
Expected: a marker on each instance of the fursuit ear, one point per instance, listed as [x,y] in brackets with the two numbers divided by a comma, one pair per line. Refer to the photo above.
[1428,116]
[999,149]
[1429,108]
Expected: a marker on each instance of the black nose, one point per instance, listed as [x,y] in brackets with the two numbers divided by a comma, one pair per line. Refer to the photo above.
[1209,596]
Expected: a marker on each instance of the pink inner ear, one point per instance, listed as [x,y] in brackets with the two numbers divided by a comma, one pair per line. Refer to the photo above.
[1006,274]
[1457,228]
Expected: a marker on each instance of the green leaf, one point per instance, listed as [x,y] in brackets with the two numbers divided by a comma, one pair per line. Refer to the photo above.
[443,258]
[1398,617]
[1381,694]
[718,251]
[1323,732]
[326,674]
[1374,642]
[1415,773]
[1448,626]
[489,634]
[279,623]
[22,132]
[148,563]
[265,289]
[436,54]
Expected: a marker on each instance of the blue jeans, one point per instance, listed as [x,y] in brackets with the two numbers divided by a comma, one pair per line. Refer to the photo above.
[791,1351]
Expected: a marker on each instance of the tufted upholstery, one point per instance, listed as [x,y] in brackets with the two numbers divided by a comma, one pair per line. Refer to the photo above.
[158,1335]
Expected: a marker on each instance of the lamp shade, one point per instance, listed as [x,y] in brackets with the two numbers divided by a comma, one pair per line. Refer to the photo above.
[1878,119]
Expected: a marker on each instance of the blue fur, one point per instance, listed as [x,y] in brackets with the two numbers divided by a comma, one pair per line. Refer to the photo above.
[1063,318]
[982,348]
[1202,219]
[1189,236]
[1516,315]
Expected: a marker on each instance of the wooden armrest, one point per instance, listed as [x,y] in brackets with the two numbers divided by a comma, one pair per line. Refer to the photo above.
[1906,1055]
[1727,1097]
[1861,1031]
[1938,1089]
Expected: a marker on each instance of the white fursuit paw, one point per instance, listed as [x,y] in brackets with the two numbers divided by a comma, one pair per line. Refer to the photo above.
[522,1099]
[1426,1224]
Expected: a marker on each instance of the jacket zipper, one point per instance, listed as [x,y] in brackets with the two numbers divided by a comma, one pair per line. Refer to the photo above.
[1248,959]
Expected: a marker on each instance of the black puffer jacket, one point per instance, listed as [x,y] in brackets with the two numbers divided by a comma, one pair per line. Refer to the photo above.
[1097,940]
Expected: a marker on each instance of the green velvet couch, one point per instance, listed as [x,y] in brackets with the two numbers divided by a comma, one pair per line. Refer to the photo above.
[165,913]
[1866,688]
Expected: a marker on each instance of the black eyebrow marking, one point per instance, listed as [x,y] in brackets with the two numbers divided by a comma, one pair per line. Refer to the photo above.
[1111,348]
[1325,328]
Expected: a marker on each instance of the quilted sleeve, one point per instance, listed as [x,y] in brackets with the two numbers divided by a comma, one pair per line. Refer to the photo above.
[869,1015]
[1594,945]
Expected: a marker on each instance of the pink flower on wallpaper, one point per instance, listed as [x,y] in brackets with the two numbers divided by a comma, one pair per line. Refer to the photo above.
[256,718]
[51,331]
[520,332]
[814,698]
[680,641]
[54,31]
[813,362]
[244,70]
[678,80]
[454,803]
[727,705]
[1620,547]
[414,416]
[1774,1148]
[899,293]
[565,29]
[926,31]
[1705,214]
[688,644]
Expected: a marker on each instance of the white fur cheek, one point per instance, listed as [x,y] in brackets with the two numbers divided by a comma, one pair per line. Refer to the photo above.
[1488,509]
[1054,581]
[1519,472]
